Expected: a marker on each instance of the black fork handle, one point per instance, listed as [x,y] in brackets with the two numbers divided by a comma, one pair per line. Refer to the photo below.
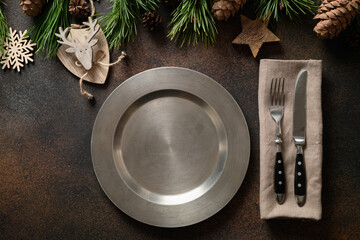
[279,175]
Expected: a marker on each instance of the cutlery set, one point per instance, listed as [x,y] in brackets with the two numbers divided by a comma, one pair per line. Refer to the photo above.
[276,108]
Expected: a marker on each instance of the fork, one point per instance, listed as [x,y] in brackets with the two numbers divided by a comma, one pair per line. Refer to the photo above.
[276,108]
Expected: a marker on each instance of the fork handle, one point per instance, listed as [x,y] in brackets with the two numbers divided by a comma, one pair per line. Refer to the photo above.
[279,178]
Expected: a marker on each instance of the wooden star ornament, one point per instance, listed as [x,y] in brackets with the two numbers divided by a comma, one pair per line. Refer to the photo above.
[254,33]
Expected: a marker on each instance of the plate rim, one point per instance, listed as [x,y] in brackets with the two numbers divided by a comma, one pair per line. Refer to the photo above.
[239,112]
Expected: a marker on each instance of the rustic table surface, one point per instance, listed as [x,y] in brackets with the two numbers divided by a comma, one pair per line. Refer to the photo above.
[48,189]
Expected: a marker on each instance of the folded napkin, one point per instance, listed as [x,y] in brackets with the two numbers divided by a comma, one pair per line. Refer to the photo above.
[289,70]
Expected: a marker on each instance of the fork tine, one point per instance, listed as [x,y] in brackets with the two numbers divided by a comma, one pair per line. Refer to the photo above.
[277,103]
[271,92]
[276,91]
[279,93]
[282,93]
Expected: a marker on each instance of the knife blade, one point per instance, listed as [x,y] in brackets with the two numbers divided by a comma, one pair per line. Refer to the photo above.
[299,127]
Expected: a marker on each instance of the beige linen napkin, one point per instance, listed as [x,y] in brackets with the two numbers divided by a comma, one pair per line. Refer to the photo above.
[289,70]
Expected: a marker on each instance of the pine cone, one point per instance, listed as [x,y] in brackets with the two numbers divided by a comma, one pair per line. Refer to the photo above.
[223,9]
[32,8]
[79,9]
[334,16]
[151,20]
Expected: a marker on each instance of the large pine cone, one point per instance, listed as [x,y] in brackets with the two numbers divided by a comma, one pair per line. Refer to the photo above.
[79,9]
[223,9]
[32,8]
[151,20]
[334,16]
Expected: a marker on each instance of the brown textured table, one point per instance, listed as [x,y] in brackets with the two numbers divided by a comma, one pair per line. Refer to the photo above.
[48,189]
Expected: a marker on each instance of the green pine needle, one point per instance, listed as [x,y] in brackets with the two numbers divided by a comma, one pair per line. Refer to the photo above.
[55,15]
[120,24]
[4,31]
[279,9]
[191,21]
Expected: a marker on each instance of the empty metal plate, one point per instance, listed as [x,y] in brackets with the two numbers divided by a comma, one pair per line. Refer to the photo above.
[170,147]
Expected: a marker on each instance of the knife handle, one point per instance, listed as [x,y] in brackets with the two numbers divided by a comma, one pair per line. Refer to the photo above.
[279,175]
[300,178]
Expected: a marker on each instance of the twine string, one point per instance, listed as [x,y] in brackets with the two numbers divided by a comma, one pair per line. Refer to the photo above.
[82,91]
[78,64]
[121,57]
[92,8]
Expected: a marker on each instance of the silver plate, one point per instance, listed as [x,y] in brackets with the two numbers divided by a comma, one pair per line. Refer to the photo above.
[170,147]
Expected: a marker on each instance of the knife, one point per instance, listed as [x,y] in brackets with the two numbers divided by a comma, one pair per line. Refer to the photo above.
[299,126]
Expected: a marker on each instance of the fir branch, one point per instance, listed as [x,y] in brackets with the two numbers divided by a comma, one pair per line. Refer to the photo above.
[55,15]
[120,24]
[279,9]
[4,30]
[191,21]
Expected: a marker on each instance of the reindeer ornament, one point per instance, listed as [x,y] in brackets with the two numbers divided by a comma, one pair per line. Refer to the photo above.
[85,53]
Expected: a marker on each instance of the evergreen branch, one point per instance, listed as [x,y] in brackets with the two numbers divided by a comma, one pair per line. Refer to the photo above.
[55,15]
[279,9]
[120,24]
[4,30]
[191,21]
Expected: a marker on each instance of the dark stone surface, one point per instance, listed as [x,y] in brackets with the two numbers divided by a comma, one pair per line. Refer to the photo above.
[48,189]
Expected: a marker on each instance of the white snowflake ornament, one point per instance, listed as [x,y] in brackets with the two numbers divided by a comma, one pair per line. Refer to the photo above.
[17,50]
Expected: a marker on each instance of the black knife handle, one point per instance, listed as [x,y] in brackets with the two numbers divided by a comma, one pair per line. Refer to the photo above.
[279,175]
[300,176]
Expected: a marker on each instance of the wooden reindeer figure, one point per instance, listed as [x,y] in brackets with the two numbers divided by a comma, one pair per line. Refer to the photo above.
[85,53]
[81,47]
